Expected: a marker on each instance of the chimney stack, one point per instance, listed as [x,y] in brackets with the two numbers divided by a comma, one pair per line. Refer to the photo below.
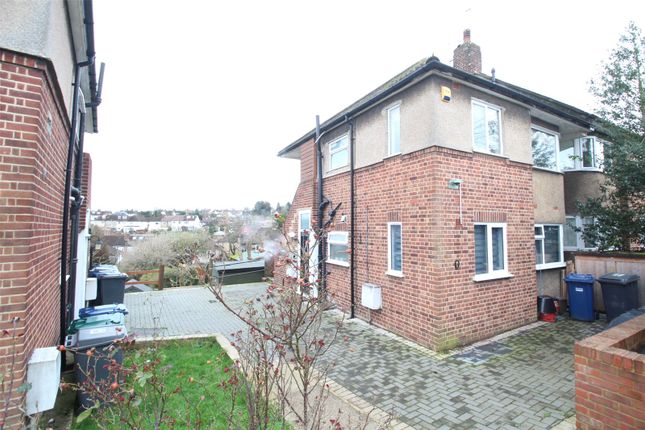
[467,56]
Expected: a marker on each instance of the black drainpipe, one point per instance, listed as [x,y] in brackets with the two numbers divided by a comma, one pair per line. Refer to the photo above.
[351,225]
[322,267]
[76,207]
[66,200]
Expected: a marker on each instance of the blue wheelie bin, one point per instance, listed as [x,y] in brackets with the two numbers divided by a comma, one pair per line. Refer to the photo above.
[102,310]
[580,291]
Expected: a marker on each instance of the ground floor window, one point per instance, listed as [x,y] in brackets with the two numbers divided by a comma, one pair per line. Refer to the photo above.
[394,249]
[337,248]
[491,256]
[548,246]
[573,229]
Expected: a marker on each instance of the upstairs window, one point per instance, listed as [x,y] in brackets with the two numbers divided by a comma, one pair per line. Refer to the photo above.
[339,153]
[584,153]
[545,148]
[337,248]
[588,149]
[487,128]
[394,130]
[548,246]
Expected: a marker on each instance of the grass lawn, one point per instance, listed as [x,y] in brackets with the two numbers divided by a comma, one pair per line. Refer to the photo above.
[196,367]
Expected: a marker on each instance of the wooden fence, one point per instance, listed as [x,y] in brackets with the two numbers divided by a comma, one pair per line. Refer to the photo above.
[599,264]
[158,282]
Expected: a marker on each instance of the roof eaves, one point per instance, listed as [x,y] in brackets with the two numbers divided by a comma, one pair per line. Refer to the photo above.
[570,113]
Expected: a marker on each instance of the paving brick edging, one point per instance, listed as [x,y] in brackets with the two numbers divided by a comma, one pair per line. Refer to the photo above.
[335,389]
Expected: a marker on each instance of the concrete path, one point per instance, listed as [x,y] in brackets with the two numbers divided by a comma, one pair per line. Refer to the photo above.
[523,380]
[177,312]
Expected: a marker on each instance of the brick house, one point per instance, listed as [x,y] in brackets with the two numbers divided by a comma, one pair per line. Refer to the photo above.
[48,100]
[457,199]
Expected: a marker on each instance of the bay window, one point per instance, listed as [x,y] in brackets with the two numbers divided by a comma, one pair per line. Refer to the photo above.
[584,153]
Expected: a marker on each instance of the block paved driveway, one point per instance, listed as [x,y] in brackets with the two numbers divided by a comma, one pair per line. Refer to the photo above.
[524,380]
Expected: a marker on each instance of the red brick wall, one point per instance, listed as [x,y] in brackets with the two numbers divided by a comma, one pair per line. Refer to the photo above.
[33,150]
[304,198]
[433,301]
[610,378]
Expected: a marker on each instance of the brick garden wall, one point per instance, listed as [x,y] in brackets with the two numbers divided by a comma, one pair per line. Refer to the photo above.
[610,378]
[433,301]
[33,150]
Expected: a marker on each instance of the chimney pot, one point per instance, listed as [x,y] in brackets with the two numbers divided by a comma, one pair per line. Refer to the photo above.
[467,35]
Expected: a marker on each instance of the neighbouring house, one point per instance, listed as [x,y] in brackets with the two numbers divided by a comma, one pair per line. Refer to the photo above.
[48,100]
[182,222]
[450,195]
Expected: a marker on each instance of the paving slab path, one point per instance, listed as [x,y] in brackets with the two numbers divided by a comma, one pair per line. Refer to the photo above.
[522,380]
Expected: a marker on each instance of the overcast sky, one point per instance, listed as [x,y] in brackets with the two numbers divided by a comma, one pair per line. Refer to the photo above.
[199,96]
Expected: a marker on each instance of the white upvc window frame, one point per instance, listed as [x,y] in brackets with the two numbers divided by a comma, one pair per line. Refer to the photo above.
[390,110]
[345,136]
[542,237]
[580,243]
[557,147]
[500,110]
[290,270]
[598,155]
[493,274]
[331,240]
[300,213]
[390,271]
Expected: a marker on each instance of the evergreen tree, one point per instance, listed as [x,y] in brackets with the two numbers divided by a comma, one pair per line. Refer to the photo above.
[619,213]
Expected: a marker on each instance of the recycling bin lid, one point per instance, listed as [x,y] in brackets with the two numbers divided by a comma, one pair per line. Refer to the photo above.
[618,278]
[100,336]
[579,277]
[96,321]
[103,269]
[102,310]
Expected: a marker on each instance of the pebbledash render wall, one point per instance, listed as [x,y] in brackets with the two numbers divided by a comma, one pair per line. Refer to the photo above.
[434,302]
[34,131]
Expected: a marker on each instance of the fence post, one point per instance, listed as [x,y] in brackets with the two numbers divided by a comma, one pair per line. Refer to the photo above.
[161,270]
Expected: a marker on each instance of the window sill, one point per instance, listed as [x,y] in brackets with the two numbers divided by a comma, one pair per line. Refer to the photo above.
[392,155]
[583,169]
[337,169]
[338,263]
[546,266]
[490,153]
[491,276]
[394,273]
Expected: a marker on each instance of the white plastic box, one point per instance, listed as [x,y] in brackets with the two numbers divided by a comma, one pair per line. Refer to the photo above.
[371,296]
[43,374]
[91,287]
